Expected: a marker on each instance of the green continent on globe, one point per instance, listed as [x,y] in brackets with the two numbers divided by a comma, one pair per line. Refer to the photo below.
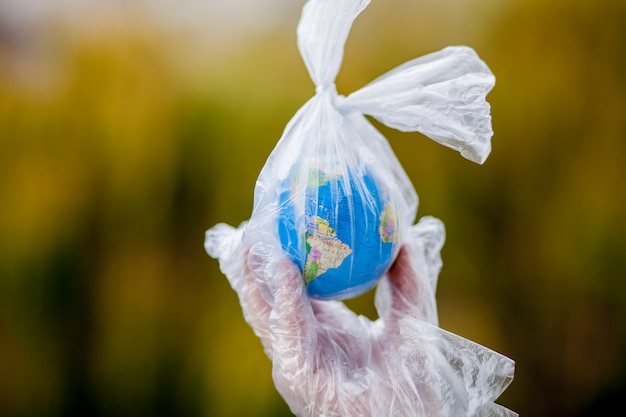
[324,251]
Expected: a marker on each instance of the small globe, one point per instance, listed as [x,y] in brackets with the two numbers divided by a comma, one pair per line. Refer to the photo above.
[341,231]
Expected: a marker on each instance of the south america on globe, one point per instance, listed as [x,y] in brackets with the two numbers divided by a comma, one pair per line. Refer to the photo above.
[340,228]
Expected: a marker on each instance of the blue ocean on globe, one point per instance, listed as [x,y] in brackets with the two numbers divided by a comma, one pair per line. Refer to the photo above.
[341,232]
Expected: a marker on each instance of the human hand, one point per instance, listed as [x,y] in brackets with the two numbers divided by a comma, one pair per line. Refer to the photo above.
[327,361]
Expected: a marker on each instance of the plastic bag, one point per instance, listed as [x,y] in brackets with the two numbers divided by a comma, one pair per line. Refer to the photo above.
[332,216]
[332,186]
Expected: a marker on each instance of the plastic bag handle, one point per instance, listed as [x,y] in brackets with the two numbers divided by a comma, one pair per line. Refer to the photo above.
[441,95]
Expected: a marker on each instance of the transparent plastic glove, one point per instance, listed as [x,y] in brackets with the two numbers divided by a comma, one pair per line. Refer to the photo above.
[327,361]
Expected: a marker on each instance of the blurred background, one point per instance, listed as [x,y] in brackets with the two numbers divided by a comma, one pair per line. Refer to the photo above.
[129,128]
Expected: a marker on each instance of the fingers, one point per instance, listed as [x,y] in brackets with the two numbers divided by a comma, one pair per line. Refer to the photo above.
[293,314]
[281,309]
[292,323]
[427,238]
[255,309]
[263,268]
[404,291]
[270,289]
[226,243]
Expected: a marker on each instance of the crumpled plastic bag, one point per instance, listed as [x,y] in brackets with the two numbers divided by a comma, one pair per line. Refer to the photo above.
[333,216]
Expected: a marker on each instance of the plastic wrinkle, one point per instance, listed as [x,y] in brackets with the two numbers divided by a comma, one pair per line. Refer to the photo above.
[326,360]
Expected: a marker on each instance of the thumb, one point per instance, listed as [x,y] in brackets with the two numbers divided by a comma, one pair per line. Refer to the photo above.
[404,291]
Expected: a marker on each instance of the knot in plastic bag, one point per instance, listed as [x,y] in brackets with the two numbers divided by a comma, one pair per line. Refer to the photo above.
[326,88]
